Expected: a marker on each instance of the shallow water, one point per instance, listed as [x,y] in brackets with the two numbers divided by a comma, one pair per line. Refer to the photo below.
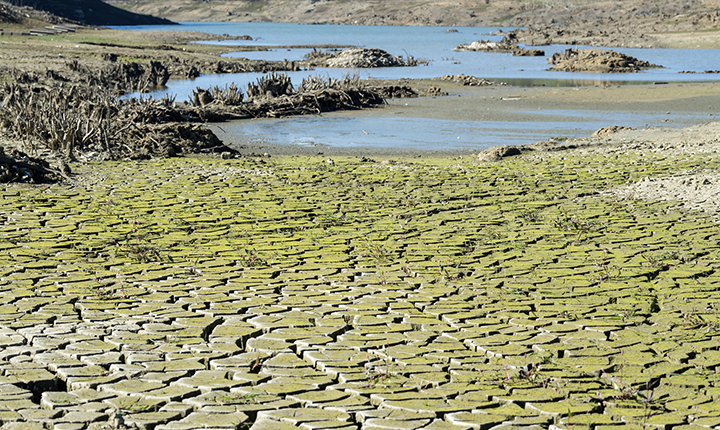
[413,134]
[398,133]
[435,45]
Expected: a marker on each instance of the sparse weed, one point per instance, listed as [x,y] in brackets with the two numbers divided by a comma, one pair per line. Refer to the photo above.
[621,391]
[654,261]
[376,251]
[447,275]
[572,222]
[257,364]
[695,320]
[192,270]
[605,271]
[407,270]
[242,398]
[137,247]
[660,261]
[530,373]
[378,373]
[250,257]
[379,254]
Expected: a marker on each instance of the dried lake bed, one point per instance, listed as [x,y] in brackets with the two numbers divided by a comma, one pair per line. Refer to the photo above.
[309,292]
[556,289]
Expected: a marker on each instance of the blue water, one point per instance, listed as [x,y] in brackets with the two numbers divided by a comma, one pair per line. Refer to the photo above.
[339,130]
[436,46]
[378,133]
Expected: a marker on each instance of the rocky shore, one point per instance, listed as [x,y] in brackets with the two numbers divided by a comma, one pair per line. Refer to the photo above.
[597,61]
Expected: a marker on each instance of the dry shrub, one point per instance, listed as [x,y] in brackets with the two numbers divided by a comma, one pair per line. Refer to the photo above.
[73,118]
[61,118]
[317,83]
[270,86]
[231,95]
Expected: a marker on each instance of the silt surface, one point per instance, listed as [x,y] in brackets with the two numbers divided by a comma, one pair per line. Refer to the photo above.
[317,292]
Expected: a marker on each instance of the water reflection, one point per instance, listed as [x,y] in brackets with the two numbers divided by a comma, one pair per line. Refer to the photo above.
[346,131]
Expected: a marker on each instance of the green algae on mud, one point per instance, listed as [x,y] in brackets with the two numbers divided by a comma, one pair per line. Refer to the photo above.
[436,288]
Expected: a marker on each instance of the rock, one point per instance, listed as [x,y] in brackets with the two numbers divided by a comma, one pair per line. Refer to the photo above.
[610,130]
[482,45]
[471,81]
[597,61]
[361,58]
[396,91]
[497,153]
[507,45]
[436,91]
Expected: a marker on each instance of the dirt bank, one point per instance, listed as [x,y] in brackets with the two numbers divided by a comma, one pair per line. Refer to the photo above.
[680,104]
[86,12]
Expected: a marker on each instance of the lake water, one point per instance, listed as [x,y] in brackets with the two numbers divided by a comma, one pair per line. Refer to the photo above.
[349,130]
[436,45]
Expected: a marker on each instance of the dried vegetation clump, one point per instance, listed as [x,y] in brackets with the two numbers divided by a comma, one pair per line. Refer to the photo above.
[274,96]
[16,166]
[70,119]
[507,45]
[82,113]
[597,61]
[123,76]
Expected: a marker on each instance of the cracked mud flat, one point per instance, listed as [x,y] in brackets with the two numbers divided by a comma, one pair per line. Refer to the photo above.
[696,188]
[297,292]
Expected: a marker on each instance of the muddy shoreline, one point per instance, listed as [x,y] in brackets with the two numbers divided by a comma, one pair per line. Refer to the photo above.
[514,105]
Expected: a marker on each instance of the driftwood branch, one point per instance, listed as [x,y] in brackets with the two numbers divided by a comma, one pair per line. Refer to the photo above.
[41,170]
